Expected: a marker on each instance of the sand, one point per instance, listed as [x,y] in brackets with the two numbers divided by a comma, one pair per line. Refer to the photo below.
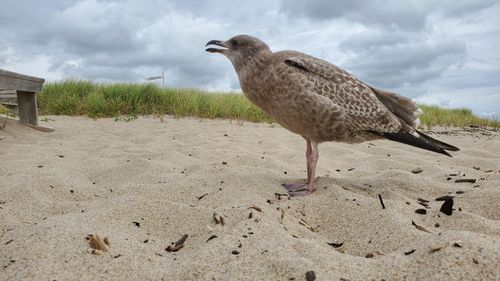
[144,184]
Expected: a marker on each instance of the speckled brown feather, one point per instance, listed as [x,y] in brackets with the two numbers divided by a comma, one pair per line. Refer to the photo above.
[316,99]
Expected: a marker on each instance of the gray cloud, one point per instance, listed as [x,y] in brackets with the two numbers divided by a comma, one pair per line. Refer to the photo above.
[401,14]
[393,60]
[422,49]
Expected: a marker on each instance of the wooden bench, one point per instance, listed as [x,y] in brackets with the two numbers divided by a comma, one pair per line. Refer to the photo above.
[25,87]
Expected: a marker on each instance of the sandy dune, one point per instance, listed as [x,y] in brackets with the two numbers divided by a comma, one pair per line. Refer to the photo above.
[146,183]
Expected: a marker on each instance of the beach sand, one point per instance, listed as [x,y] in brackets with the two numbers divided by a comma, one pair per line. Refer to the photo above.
[144,184]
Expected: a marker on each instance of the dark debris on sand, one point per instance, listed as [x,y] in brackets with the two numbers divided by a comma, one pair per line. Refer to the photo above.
[177,245]
[310,276]
[447,207]
[421,211]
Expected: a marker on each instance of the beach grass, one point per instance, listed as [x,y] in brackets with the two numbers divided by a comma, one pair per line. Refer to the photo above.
[83,97]
[80,97]
[3,110]
[458,117]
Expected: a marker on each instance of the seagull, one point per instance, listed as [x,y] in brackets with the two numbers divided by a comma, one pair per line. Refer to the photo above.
[320,101]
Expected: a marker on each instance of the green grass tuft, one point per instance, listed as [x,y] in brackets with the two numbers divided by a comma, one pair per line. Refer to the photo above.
[3,110]
[457,117]
[82,97]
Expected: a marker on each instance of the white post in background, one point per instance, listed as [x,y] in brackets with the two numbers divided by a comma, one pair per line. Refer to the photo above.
[162,77]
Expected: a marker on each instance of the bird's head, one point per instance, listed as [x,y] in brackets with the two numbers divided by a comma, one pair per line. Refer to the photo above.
[240,49]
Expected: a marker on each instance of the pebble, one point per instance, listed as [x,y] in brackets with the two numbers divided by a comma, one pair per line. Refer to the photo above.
[417,171]
[435,248]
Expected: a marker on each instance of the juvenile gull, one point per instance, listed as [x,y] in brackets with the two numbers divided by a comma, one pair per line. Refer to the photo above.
[320,101]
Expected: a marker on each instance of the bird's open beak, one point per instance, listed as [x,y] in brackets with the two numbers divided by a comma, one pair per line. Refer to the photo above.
[217,43]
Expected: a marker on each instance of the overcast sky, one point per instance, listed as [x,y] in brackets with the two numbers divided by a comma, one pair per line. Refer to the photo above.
[443,52]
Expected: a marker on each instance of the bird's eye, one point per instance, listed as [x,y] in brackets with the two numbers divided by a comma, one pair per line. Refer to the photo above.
[234,42]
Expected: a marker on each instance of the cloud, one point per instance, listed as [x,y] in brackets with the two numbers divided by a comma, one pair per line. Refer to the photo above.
[394,60]
[418,48]
[408,15]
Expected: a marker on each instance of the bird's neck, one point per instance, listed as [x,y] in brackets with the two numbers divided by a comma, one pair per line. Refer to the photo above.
[251,64]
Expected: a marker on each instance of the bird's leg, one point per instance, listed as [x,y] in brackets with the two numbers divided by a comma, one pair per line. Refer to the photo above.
[312,160]
[300,189]
[308,154]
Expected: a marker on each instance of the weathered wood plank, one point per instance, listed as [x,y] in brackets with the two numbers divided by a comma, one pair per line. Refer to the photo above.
[15,81]
[36,127]
[4,93]
[39,128]
[8,97]
[26,103]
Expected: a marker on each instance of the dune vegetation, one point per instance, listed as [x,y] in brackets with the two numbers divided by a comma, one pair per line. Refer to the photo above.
[82,97]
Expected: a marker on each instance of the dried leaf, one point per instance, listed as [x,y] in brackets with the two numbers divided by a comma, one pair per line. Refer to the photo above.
[419,227]
[218,219]
[178,245]
[97,243]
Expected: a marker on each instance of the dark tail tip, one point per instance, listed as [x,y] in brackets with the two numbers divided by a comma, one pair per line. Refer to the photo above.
[419,140]
[439,143]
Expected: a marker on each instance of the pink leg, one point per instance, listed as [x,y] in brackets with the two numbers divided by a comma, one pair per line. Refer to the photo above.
[308,155]
[312,161]
[312,155]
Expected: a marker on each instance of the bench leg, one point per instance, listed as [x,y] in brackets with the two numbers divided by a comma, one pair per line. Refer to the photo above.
[26,102]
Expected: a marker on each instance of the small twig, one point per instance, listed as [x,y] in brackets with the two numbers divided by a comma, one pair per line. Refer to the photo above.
[255,208]
[307,225]
[466,180]
[282,215]
[201,197]
[419,227]
[211,237]
[381,201]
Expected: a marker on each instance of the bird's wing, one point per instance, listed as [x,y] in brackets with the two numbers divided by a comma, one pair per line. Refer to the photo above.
[360,104]
[403,107]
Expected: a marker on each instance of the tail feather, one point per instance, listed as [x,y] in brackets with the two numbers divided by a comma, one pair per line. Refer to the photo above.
[418,139]
[439,143]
